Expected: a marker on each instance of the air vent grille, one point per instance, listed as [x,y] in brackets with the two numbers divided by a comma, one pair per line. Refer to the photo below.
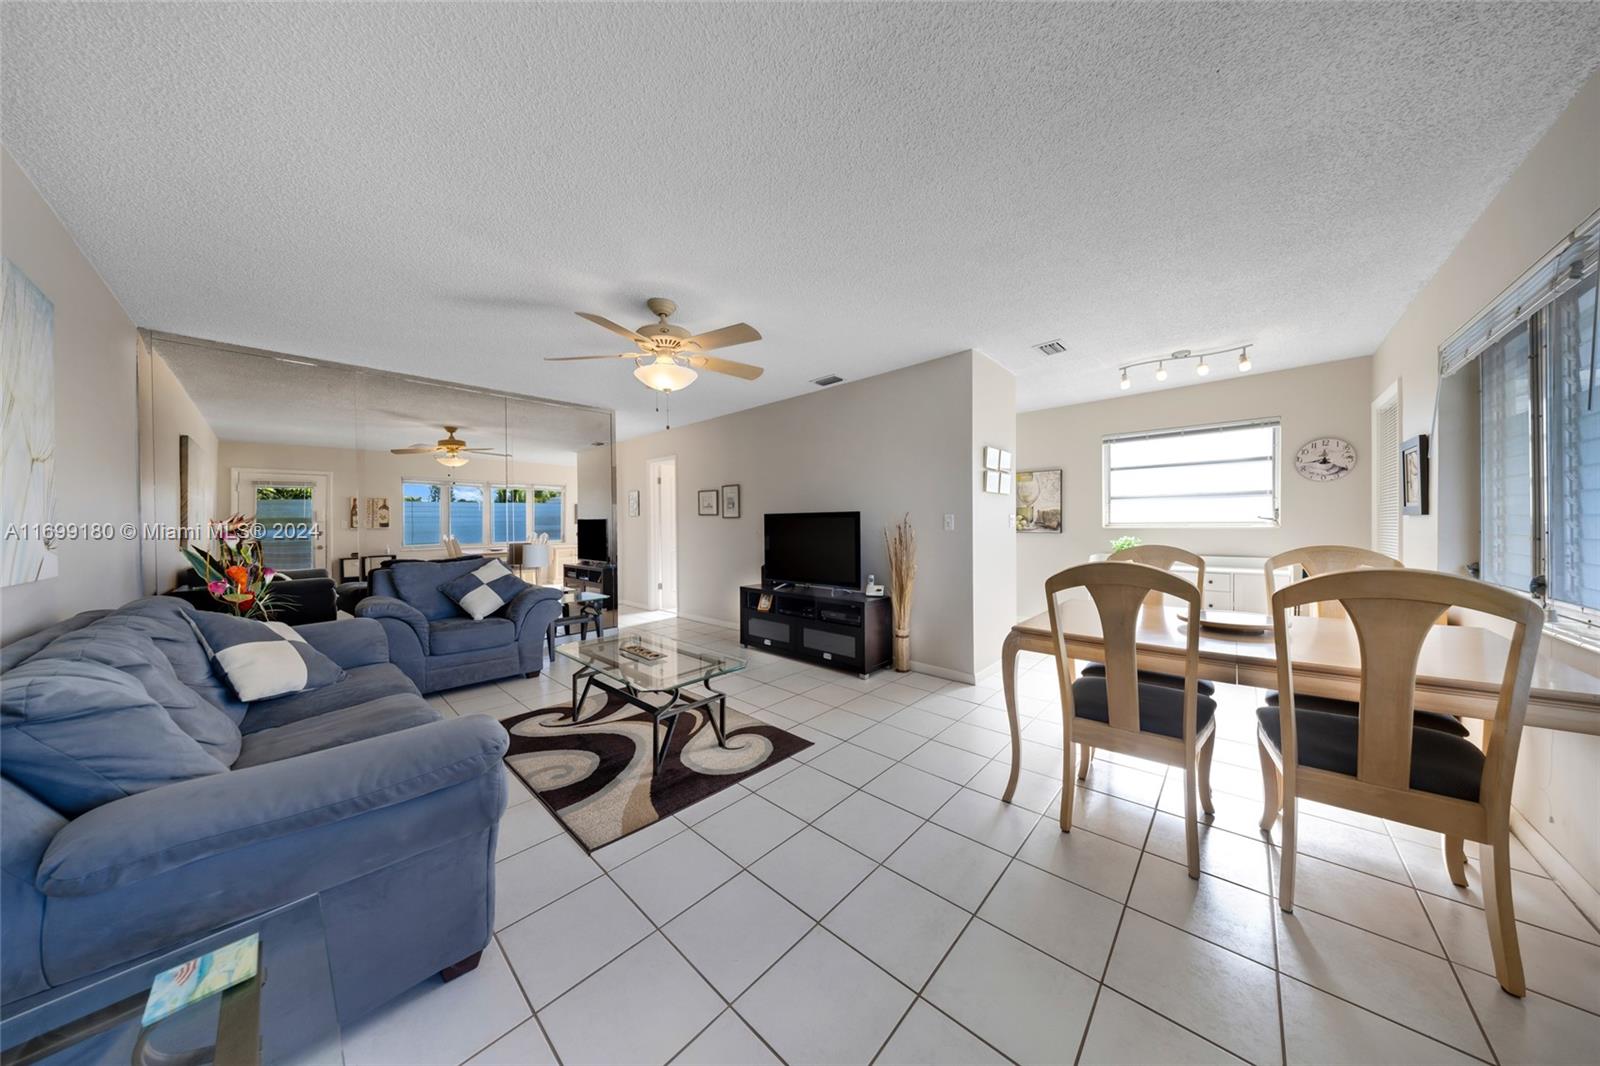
[826,380]
[1054,347]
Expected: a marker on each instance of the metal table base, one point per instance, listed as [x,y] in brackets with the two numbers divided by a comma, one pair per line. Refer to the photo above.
[676,705]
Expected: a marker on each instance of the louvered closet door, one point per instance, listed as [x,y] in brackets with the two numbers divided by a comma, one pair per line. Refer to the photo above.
[1386,473]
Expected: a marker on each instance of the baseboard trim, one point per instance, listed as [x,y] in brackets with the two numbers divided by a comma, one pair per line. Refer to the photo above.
[939,671]
[1562,872]
[709,621]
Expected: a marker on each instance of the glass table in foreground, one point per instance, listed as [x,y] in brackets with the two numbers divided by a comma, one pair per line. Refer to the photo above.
[630,665]
[284,1015]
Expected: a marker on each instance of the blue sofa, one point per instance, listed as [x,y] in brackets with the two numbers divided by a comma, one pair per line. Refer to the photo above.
[358,792]
[440,647]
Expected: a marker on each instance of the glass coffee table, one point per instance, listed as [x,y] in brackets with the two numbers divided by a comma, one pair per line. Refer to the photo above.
[284,1015]
[631,665]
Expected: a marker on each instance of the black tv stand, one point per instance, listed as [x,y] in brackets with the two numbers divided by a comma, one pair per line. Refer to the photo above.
[834,627]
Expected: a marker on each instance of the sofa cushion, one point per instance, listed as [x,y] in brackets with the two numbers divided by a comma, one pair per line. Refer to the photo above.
[360,684]
[1160,706]
[166,620]
[421,582]
[263,659]
[484,591]
[387,714]
[1440,763]
[463,634]
[80,734]
[136,655]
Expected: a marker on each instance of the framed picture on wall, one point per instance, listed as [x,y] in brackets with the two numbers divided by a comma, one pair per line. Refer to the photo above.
[1414,475]
[1039,501]
[708,503]
[633,503]
[730,501]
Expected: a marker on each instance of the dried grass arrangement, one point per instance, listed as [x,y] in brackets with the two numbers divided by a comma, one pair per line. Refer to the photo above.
[902,544]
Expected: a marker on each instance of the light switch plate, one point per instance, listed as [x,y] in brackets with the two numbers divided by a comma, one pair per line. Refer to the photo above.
[949,522]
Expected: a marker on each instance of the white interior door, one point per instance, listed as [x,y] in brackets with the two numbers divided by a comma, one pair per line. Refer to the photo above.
[292,508]
[663,493]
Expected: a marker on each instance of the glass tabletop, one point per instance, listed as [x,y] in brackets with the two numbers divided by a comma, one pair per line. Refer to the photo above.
[579,596]
[679,663]
[287,1016]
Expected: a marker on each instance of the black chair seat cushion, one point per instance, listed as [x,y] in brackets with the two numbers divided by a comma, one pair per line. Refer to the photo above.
[1444,723]
[1160,706]
[1440,763]
[1150,677]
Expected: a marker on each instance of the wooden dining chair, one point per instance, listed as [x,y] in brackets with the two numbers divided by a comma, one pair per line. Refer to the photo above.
[1381,762]
[1120,711]
[1162,557]
[1314,560]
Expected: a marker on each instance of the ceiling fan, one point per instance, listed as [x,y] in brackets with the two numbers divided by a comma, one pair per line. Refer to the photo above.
[452,450]
[670,357]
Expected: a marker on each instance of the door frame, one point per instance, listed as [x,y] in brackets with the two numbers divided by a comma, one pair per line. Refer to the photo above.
[318,516]
[655,566]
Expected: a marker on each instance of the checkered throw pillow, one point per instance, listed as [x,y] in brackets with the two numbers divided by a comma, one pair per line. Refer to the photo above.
[485,590]
[261,660]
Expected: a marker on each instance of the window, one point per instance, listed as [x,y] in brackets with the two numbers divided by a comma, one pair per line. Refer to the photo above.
[548,501]
[1539,433]
[466,513]
[1200,476]
[510,514]
[421,523]
[286,512]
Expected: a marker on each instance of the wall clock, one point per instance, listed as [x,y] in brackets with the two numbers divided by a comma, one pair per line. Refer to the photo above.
[1325,459]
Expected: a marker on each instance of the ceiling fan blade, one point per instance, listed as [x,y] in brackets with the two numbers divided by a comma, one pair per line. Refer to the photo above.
[581,358]
[738,333]
[421,449]
[483,451]
[725,366]
[606,323]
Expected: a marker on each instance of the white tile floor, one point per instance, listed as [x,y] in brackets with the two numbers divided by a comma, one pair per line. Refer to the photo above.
[871,900]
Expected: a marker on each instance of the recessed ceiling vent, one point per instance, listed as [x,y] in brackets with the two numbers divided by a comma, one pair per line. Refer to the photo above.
[826,380]
[1054,347]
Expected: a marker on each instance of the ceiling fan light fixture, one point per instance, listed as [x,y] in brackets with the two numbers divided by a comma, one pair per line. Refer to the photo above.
[664,374]
[451,459]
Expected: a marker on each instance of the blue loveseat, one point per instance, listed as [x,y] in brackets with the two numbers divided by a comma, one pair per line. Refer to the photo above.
[440,647]
[358,792]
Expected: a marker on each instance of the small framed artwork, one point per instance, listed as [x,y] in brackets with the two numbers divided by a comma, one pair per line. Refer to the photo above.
[1039,501]
[708,503]
[1005,460]
[1414,475]
[633,503]
[730,501]
[991,481]
[1005,483]
[991,458]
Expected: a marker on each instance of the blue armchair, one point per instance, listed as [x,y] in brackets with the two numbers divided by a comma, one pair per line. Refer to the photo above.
[437,645]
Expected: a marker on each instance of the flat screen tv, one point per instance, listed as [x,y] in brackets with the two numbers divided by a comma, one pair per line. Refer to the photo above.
[814,548]
[592,546]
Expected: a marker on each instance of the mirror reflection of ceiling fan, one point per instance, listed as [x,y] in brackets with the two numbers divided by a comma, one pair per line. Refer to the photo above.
[670,357]
[448,451]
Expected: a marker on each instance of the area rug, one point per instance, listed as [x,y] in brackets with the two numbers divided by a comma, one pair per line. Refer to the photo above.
[595,774]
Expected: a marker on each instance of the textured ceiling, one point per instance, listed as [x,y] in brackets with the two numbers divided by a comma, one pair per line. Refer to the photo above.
[253,396]
[435,188]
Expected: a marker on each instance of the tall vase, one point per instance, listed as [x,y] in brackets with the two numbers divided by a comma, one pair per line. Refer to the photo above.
[902,650]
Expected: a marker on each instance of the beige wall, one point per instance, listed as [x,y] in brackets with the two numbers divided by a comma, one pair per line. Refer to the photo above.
[168,406]
[369,473]
[994,530]
[895,444]
[96,457]
[1326,400]
[1552,192]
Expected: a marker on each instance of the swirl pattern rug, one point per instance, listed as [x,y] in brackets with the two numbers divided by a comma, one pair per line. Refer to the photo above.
[595,774]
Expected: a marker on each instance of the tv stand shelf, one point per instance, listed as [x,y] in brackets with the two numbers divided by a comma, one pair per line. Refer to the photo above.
[834,627]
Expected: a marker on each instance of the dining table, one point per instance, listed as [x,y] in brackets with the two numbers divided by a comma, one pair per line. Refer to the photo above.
[1459,670]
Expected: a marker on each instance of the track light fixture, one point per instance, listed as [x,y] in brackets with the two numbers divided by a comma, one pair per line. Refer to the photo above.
[1201,367]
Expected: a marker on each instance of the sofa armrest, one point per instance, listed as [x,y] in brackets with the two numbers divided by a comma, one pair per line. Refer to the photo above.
[398,610]
[522,606]
[350,642]
[154,832]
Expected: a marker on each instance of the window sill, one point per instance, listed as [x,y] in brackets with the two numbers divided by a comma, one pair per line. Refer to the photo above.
[1584,637]
[1191,525]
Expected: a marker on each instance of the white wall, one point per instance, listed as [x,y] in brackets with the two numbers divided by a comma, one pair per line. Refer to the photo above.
[994,529]
[172,413]
[1326,400]
[97,433]
[1552,192]
[899,443]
